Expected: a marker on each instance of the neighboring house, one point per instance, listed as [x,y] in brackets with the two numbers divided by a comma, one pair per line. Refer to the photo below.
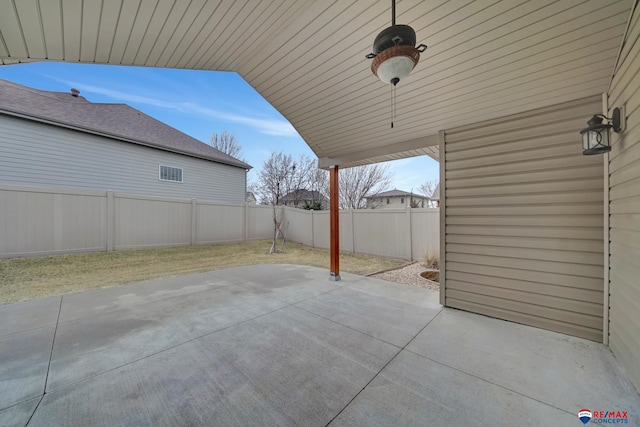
[54,139]
[435,197]
[251,198]
[396,199]
[303,199]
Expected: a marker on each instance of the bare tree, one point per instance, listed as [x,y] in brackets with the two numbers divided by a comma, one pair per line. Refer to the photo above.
[284,179]
[362,182]
[298,187]
[428,188]
[278,181]
[274,178]
[319,187]
[274,182]
[227,143]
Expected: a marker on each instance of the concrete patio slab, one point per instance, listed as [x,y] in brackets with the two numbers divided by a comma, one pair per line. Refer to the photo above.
[183,386]
[396,292]
[388,320]
[415,391]
[26,315]
[287,284]
[309,367]
[105,300]
[281,345]
[24,361]
[266,276]
[19,414]
[562,371]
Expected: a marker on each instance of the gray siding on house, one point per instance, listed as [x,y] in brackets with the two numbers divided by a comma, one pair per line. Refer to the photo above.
[524,218]
[624,210]
[38,154]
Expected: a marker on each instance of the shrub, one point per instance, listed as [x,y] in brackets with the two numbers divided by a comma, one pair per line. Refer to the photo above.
[432,260]
[316,205]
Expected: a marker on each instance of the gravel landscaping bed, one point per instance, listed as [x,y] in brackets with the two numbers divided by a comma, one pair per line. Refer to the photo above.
[408,275]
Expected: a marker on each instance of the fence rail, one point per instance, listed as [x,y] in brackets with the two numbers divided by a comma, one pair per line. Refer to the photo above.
[48,221]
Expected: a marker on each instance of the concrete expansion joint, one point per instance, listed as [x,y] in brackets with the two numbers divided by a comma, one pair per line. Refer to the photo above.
[510,390]
[383,368]
[46,378]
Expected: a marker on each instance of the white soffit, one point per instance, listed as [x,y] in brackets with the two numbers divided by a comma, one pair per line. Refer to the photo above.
[486,59]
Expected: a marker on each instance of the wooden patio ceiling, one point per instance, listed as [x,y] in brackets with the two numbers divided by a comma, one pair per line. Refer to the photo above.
[486,59]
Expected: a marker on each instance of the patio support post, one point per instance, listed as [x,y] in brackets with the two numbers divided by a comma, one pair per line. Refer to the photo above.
[334,225]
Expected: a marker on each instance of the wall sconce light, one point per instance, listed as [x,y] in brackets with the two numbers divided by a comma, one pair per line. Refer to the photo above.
[595,137]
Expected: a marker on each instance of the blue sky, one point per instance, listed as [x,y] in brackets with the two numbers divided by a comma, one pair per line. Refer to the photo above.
[198,103]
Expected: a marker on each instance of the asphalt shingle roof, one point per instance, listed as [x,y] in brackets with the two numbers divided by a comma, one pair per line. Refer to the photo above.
[436,193]
[397,193]
[118,121]
[302,194]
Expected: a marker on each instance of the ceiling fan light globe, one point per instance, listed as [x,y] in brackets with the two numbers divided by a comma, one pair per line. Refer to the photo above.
[395,68]
[395,63]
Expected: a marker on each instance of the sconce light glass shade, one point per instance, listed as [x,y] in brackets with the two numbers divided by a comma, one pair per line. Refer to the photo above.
[595,138]
[395,63]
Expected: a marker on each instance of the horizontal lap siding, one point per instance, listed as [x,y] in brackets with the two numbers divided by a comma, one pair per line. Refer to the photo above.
[524,218]
[624,209]
[42,155]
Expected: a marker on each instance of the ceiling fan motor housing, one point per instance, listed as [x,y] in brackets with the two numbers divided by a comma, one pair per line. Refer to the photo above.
[396,35]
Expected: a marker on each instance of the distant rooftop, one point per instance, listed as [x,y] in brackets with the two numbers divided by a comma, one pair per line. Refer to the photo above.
[302,194]
[117,121]
[397,193]
[436,193]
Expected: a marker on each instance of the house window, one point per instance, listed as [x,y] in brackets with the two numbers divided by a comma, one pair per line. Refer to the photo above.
[168,173]
[402,200]
[387,200]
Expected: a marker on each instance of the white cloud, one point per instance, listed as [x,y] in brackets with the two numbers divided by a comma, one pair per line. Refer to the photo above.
[268,126]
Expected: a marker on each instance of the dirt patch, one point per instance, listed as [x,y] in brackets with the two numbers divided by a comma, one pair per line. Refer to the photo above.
[434,276]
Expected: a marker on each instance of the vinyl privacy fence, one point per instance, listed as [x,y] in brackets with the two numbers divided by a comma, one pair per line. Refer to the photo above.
[46,221]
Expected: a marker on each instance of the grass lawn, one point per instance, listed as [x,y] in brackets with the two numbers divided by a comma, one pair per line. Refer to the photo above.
[28,278]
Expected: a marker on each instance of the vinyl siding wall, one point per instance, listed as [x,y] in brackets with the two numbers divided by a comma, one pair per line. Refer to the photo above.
[524,220]
[396,202]
[42,155]
[624,209]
